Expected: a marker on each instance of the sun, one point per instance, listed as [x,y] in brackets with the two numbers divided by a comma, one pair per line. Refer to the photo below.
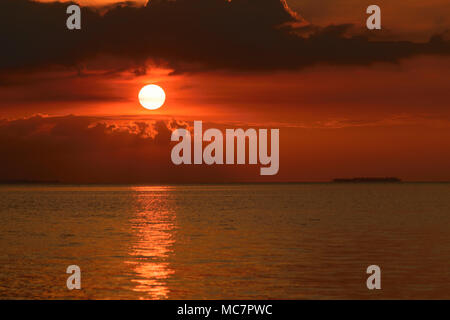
[152,97]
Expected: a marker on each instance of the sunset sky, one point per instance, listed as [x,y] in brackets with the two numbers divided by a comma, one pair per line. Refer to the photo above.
[348,101]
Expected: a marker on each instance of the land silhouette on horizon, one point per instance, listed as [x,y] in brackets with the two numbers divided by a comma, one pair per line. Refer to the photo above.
[367,179]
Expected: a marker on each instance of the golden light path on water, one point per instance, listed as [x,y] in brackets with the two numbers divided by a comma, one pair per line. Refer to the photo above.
[154,226]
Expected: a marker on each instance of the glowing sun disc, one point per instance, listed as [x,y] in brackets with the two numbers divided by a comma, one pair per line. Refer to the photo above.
[152,97]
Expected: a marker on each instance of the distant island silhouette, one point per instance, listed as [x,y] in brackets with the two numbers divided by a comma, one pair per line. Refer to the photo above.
[367,179]
[337,180]
[20,181]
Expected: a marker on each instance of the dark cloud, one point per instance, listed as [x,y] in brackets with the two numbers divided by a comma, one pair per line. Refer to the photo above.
[80,149]
[76,149]
[187,35]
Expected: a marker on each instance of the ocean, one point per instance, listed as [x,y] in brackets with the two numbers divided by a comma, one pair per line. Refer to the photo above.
[267,241]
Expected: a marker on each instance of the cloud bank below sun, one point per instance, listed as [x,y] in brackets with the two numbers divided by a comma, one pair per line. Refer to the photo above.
[77,149]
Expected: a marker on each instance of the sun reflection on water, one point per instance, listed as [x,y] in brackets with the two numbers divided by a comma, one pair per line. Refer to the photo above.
[153,226]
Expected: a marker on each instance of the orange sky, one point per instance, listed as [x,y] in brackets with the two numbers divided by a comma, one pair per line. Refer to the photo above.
[317,96]
[382,119]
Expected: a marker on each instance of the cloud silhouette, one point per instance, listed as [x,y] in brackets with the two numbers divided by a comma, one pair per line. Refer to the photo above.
[76,149]
[188,35]
[81,149]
